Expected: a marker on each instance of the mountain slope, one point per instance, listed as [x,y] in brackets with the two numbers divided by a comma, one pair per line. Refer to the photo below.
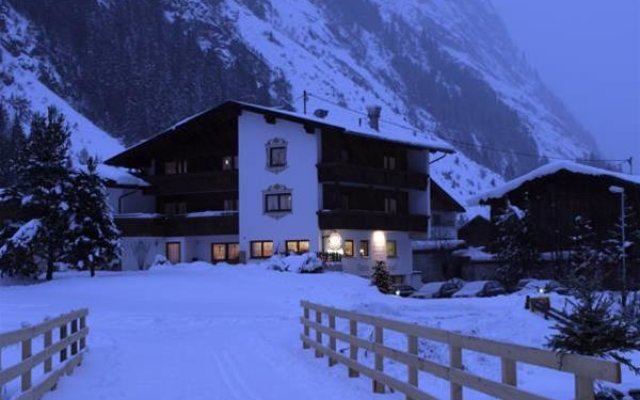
[441,67]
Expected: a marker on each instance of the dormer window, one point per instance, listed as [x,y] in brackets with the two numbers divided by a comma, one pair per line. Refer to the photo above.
[276,155]
[278,201]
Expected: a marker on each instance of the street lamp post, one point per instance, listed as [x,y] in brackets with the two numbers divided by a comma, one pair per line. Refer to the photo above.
[620,190]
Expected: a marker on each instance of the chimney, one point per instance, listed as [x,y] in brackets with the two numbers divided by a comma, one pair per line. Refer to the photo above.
[373,113]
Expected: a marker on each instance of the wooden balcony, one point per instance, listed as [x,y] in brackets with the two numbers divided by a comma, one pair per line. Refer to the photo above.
[179,225]
[356,219]
[339,172]
[198,182]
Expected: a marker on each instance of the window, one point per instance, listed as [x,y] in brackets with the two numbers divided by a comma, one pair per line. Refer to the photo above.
[173,252]
[261,249]
[229,252]
[297,246]
[390,162]
[277,202]
[231,204]
[175,167]
[276,155]
[364,248]
[392,250]
[345,201]
[173,208]
[348,248]
[390,205]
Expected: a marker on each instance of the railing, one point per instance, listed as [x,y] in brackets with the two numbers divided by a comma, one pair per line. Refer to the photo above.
[193,182]
[73,340]
[341,172]
[177,225]
[585,369]
[362,219]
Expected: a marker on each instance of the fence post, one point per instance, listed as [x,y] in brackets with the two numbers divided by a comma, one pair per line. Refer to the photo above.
[26,353]
[353,349]
[379,361]
[47,343]
[412,348]
[318,333]
[584,388]
[63,335]
[455,361]
[509,376]
[83,324]
[332,339]
[74,329]
[305,345]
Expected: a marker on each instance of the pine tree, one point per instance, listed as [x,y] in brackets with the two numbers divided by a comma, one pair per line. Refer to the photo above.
[39,195]
[584,274]
[513,246]
[93,238]
[594,329]
[18,151]
[381,277]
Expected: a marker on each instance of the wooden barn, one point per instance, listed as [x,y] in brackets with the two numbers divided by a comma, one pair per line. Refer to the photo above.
[557,192]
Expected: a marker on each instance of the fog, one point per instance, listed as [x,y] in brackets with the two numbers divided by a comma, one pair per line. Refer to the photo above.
[588,52]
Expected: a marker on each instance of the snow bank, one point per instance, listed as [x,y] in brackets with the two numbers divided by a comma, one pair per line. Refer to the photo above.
[307,262]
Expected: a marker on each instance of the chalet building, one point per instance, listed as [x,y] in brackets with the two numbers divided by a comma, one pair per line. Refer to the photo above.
[557,192]
[241,182]
[432,257]
[476,232]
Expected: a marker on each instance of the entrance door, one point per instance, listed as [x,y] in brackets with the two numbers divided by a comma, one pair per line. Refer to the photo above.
[173,252]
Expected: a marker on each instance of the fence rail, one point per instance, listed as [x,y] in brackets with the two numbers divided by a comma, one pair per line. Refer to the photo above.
[70,341]
[585,369]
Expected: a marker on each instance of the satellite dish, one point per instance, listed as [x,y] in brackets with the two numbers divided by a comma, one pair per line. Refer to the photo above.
[321,113]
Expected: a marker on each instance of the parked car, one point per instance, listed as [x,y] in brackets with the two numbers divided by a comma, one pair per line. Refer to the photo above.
[451,287]
[402,290]
[429,290]
[480,289]
[542,286]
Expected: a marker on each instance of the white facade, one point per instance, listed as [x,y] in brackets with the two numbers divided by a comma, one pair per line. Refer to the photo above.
[299,175]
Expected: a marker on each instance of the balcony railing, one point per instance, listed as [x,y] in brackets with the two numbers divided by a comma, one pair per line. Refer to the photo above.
[339,172]
[179,225]
[197,182]
[356,219]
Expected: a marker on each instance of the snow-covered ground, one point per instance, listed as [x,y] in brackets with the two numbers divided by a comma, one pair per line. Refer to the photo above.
[198,331]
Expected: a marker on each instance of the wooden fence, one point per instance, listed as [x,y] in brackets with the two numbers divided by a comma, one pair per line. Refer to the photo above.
[72,333]
[585,369]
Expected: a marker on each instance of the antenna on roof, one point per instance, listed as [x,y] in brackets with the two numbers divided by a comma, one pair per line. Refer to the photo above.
[305,99]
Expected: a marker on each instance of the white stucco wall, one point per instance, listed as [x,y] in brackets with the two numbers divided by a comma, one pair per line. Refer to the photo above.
[300,176]
[400,265]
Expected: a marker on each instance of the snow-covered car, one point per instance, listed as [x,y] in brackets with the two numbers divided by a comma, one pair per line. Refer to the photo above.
[451,287]
[429,290]
[542,286]
[402,290]
[480,289]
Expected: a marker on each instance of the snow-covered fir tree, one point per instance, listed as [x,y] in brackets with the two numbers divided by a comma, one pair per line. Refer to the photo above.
[594,328]
[516,253]
[40,196]
[584,273]
[93,239]
[381,277]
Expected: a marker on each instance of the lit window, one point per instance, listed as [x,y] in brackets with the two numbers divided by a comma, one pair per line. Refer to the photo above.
[233,252]
[229,252]
[297,246]
[390,205]
[348,248]
[392,250]
[364,248]
[261,249]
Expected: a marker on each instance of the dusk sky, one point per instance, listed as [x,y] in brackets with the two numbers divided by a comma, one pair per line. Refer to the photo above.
[588,52]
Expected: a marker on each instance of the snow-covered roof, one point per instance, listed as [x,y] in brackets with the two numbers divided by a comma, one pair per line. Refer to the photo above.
[119,176]
[344,119]
[550,169]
